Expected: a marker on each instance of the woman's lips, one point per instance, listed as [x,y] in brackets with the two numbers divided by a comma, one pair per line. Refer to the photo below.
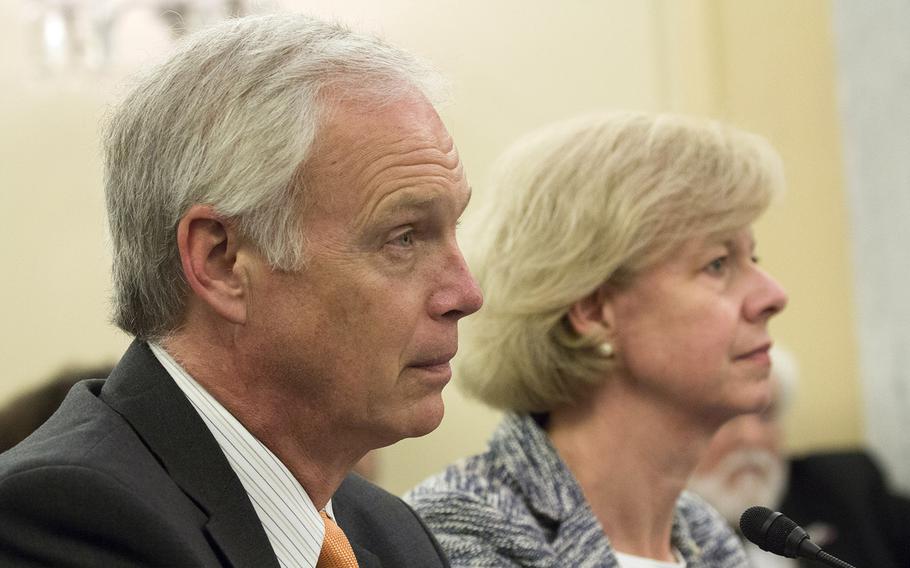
[760,354]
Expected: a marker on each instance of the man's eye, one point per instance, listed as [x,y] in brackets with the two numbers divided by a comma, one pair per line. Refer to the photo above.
[405,239]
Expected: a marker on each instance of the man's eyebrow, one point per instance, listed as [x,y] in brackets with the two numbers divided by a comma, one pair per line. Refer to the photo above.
[410,200]
[405,201]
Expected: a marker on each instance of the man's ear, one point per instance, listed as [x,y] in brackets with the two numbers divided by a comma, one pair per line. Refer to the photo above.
[592,316]
[208,246]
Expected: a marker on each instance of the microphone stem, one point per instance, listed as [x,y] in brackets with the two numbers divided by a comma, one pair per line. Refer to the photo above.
[832,560]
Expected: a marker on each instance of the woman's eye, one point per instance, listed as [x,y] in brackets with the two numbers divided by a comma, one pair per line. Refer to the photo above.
[717,265]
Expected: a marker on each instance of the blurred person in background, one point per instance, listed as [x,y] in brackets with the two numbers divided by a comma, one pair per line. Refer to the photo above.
[282,199]
[625,321]
[841,498]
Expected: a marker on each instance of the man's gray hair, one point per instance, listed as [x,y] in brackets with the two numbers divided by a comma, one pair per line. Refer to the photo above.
[229,121]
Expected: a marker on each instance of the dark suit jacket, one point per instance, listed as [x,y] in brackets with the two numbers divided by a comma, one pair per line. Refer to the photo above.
[845,494]
[127,474]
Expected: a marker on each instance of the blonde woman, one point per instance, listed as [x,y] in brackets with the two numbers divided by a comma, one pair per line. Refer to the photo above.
[625,321]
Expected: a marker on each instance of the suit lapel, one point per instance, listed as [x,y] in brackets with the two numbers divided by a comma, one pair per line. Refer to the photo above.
[146,396]
[357,532]
[240,538]
[365,558]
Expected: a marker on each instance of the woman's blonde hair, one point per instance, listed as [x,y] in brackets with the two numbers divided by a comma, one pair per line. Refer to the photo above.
[591,201]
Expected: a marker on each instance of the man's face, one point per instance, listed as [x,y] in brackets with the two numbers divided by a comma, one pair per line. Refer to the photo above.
[359,341]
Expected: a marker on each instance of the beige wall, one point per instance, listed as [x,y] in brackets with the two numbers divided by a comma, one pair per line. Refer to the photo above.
[768,66]
[53,260]
[778,78]
[765,65]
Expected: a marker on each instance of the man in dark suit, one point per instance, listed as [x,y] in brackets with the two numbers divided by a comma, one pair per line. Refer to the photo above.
[844,503]
[840,498]
[282,200]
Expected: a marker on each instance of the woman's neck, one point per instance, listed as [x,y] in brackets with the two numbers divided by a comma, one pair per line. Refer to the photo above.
[632,458]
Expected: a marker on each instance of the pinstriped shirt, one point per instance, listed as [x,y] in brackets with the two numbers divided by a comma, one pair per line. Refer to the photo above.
[291,522]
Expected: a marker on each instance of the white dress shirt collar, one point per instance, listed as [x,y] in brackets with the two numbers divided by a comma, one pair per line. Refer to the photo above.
[291,521]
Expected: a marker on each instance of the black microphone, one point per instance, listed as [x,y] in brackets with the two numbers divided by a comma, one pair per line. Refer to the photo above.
[774,532]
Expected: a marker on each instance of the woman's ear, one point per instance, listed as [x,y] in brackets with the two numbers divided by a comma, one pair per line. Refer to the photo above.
[593,314]
[208,247]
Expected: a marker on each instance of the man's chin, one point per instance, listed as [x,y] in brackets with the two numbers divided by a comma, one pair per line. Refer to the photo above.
[429,418]
[420,419]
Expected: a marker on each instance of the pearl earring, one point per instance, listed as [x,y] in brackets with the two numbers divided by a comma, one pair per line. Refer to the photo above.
[605,349]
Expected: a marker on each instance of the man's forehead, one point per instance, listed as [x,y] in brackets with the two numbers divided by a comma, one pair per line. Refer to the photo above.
[357,118]
[379,164]
[354,128]
[444,190]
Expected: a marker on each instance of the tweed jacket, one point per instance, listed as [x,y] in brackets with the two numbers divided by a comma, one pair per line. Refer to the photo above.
[518,504]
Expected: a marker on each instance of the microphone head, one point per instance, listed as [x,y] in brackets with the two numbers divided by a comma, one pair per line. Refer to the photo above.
[753,523]
[772,531]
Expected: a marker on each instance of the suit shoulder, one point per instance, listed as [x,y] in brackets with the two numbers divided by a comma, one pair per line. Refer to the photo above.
[835,461]
[88,443]
[358,500]
[356,488]
[76,515]
[385,525]
[823,472]
[68,437]
[84,432]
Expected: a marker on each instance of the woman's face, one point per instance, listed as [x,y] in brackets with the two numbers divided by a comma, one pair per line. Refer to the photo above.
[692,330]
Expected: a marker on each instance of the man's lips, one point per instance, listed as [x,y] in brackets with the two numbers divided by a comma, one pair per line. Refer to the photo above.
[440,361]
[436,370]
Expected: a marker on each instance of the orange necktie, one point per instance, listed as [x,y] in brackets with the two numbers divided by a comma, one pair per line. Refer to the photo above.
[336,550]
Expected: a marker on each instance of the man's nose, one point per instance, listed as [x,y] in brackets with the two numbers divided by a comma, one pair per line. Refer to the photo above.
[460,295]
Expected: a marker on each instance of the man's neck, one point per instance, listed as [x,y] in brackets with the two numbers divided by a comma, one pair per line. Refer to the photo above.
[303,439]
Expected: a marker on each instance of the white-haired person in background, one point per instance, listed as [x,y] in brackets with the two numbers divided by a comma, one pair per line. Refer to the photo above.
[840,497]
[625,321]
[282,199]
[744,464]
